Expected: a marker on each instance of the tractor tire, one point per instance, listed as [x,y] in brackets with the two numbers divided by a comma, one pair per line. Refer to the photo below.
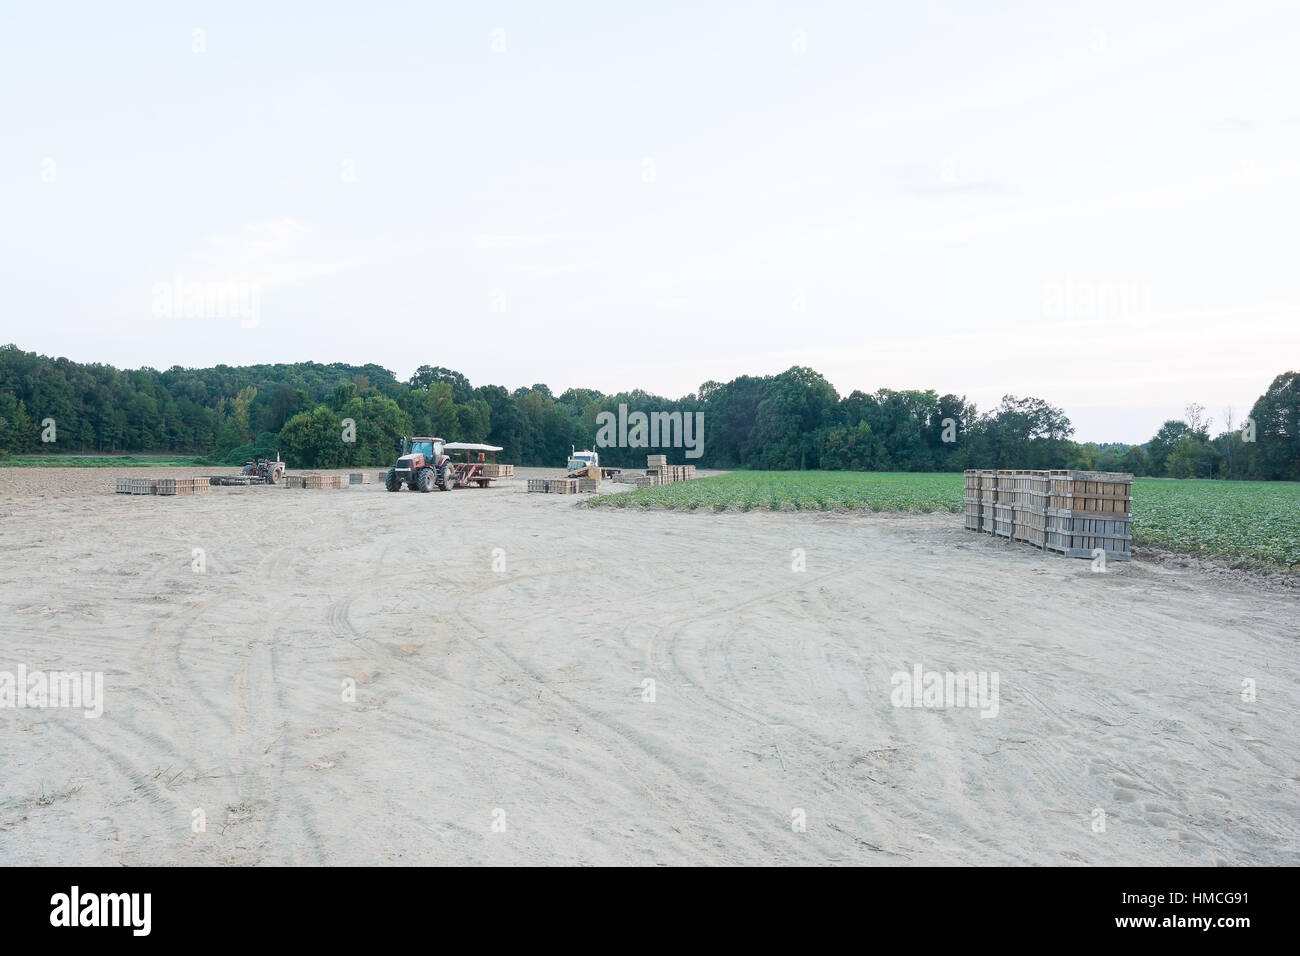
[448,482]
[427,479]
[391,481]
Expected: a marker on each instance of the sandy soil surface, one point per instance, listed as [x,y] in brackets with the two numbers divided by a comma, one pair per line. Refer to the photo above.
[500,644]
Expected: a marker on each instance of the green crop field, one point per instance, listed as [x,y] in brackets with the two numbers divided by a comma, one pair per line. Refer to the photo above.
[1255,521]
[803,491]
[1249,521]
[97,461]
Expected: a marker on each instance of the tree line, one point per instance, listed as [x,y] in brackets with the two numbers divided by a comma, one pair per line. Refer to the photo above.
[338,415]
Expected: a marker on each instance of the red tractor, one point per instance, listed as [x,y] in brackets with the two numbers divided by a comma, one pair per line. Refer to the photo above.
[423,466]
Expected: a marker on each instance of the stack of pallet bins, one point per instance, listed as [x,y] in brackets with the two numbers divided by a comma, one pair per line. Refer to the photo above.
[135,486]
[588,484]
[181,486]
[556,486]
[656,466]
[1029,498]
[1004,507]
[492,469]
[359,478]
[1090,510]
[1069,512]
[322,482]
[971,496]
[988,484]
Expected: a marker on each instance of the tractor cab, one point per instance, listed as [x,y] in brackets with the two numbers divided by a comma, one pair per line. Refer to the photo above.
[420,451]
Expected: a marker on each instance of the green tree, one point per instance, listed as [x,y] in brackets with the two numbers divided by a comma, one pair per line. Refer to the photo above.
[1276,416]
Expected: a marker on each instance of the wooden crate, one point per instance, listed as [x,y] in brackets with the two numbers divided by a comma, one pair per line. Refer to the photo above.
[135,486]
[322,482]
[182,486]
[1004,520]
[1031,489]
[987,516]
[972,483]
[1030,526]
[359,478]
[656,461]
[556,486]
[494,469]
[1091,492]
[1078,535]
[988,479]
[588,484]
[973,513]
[186,487]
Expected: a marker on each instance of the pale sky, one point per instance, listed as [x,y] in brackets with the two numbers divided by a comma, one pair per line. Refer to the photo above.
[1096,204]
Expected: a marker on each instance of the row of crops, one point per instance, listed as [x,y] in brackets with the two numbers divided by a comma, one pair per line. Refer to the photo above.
[1249,521]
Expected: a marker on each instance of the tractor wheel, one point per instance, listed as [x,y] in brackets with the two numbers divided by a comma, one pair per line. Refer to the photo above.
[391,481]
[448,479]
[427,479]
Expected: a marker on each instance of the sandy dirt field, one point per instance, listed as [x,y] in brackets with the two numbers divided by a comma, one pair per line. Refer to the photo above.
[499,645]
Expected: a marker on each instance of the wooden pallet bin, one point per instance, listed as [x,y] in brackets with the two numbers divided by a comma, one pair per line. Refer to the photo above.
[1079,535]
[1091,492]
[1004,520]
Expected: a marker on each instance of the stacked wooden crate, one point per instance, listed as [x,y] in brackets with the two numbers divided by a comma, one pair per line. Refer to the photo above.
[1088,510]
[1004,508]
[1029,499]
[588,484]
[182,486]
[1069,512]
[492,469]
[359,478]
[988,483]
[135,486]
[322,482]
[556,486]
[972,498]
[657,466]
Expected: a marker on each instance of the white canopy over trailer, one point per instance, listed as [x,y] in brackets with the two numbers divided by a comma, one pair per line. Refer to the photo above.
[476,469]
[469,446]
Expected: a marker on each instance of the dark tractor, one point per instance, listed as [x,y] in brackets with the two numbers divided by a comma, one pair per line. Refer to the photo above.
[423,466]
